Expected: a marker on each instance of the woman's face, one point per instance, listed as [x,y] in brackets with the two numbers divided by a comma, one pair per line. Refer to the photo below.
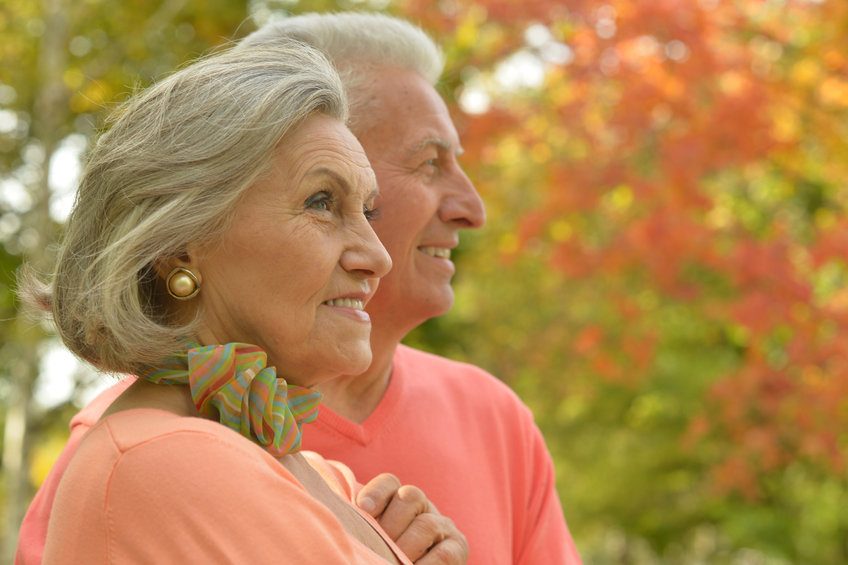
[299,261]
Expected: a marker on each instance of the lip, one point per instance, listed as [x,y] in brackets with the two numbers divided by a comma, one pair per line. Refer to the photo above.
[450,246]
[442,266]
[350,311]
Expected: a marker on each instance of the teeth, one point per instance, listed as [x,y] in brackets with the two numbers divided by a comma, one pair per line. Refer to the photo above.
[346,303]
[443,252]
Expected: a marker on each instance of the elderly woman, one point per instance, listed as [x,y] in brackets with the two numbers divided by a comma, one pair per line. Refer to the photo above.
[219,248]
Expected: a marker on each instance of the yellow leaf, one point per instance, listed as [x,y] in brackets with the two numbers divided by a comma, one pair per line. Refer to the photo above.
[834,92]
[806,72]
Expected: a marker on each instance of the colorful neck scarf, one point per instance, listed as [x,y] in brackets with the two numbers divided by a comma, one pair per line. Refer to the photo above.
[233,384]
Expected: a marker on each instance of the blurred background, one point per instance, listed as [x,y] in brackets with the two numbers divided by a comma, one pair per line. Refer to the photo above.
[663,274]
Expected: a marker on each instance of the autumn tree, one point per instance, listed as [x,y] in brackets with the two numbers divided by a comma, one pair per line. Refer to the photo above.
[663,272]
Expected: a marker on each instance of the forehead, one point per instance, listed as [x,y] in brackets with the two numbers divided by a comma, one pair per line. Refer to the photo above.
[321,143]
[404,111]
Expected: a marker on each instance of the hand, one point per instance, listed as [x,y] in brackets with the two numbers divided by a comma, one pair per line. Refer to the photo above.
[413,522]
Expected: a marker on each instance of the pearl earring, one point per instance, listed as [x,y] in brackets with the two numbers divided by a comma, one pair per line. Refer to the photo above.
[182,284]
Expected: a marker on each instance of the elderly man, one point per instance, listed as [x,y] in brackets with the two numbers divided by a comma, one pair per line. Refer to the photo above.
[449,428]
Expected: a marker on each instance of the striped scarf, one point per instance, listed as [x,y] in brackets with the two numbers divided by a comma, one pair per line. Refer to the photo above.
[233,384]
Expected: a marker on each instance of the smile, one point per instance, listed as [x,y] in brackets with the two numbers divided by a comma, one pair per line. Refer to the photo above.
[354,303]
[442,252]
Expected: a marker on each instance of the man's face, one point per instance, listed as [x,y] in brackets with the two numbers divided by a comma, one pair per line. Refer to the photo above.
[425,197]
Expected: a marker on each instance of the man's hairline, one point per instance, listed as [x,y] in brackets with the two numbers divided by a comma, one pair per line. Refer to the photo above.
[373,67]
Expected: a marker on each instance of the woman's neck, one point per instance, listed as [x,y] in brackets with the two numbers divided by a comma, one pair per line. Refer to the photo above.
[144,394]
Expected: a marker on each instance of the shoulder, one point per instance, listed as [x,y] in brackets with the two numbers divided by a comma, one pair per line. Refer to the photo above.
[415,360]
[136,430]
[145,474]
[148,468]
[165,447]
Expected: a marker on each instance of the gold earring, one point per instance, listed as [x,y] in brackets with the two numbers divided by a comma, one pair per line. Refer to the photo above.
[182,284]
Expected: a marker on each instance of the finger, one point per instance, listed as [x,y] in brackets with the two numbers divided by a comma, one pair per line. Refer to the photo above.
[377,493]
[426,533]
[451,551]
[403,509]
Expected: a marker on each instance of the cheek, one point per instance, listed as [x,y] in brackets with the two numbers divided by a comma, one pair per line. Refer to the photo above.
[303,273]
[395,231]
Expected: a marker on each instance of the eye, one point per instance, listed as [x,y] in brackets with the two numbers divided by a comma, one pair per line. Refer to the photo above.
[429,168]
[320,201]
[371,214]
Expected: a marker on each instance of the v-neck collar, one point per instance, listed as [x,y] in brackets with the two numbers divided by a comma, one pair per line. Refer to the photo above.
[382,416]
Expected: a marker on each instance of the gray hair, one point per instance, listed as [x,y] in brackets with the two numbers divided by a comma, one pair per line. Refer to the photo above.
[168,172]
[357,43]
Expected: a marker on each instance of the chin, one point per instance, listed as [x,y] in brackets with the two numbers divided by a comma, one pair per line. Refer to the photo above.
[351,365]
[359,366]
[409,310]
[357,360]
[440,304]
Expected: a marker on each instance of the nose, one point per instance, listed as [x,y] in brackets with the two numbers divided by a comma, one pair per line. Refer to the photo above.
[461,204]
[366,256]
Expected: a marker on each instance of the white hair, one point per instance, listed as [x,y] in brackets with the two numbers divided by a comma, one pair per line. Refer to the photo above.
[357,43]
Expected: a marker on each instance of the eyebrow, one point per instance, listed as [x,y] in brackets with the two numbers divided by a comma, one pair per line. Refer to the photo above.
[438,142]
[342,182]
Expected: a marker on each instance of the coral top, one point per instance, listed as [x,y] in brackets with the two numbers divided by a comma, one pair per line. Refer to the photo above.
[148,486]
